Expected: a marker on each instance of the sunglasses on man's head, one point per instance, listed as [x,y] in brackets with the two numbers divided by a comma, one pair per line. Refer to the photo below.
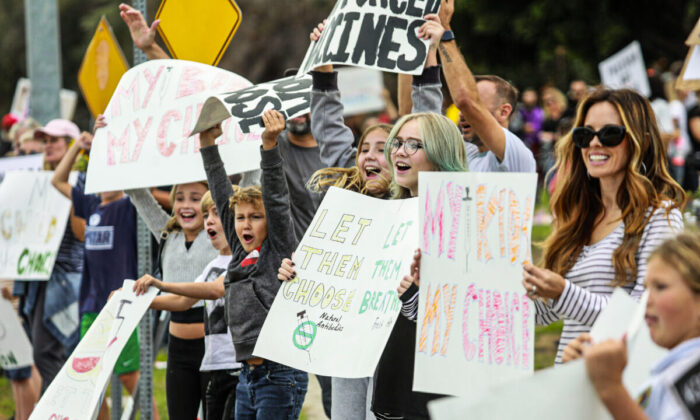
[609,136]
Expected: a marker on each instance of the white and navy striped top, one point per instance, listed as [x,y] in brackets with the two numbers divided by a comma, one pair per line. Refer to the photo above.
[589,282]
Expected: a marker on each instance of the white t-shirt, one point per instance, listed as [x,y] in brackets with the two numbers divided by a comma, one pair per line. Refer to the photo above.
[680,114]
[655,396]
[219,353]
[517,157]
[663,115]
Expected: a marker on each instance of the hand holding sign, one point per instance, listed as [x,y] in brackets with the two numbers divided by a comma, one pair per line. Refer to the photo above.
[574,350]
[605,363]
[274,124]
[542,282]
[432,30]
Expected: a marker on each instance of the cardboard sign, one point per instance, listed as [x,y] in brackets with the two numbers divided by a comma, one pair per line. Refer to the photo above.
[626,69]
[15,349]
[77,390]
[689,79]
[565,389]
[18,163]
[23,92]
[102,67]
[360,90]
[475,320]
[149,121]
[377,35]
[335,317]
[33,216]
[190,33]
[290,96]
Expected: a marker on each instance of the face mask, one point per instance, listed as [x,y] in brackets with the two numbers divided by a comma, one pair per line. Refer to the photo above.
[299,128]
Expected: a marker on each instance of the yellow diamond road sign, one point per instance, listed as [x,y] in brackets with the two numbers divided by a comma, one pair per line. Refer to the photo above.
[103,65]
[198,30]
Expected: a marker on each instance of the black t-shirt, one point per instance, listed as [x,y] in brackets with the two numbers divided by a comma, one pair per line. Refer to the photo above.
[694,141]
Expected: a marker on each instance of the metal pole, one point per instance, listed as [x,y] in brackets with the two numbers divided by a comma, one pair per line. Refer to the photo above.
[145,385]
[43,58]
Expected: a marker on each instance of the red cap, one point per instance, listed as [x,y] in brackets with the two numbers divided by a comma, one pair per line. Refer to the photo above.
[8,121]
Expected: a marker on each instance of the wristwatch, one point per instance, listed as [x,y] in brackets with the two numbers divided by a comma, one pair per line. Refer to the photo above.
[447,36]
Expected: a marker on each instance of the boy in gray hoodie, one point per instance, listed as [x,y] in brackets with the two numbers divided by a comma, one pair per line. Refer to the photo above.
[260,232]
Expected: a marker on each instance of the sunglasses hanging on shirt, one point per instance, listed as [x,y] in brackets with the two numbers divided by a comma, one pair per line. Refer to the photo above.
[609,136]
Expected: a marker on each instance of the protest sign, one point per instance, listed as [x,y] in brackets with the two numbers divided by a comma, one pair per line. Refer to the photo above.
[23,92]
[17,163]
[626,69]
[33,216]
[475,320]
[290,96]
[149,120]
[77,390]
[360,90]
[378,35]
[15,349]
[689,78]
[565,389]
[335,317]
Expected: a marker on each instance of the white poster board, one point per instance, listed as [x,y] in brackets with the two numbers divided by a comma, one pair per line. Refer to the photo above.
[15,349]
[626,69]
[149,120]
[290,96]
[23,92]
[565,388]
[33,216]
[17,163]
[360,90]
[77,390]
[692,71]
[378,35]
[336,317]
[475,321]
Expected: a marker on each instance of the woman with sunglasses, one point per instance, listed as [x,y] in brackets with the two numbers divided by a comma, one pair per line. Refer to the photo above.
[614,203]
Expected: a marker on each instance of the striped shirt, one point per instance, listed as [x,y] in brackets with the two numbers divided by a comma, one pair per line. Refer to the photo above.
[589,282]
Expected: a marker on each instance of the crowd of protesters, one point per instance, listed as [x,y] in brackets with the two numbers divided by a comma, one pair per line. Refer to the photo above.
[615,164]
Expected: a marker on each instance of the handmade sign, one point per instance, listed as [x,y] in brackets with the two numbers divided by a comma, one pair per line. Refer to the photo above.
[626,69]
[33,216]
[149,121]
[335,317]
[16,163]
[378,35]
[565,389]
[689,78]
[23,92]
[290,96]
[360,90]
[475,321]
[77,390]
[15,349]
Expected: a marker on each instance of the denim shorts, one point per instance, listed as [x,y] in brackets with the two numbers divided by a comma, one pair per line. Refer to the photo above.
[270,391]
[19,373]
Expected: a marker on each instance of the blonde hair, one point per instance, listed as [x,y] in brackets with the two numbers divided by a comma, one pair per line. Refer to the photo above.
[558,97]
[172,224]
[577,203]
[442,142]
[349,178]
[206,202]
[682,252]
[251,195]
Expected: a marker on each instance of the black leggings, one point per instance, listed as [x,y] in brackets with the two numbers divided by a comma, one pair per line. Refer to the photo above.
[185,385]
[221,394]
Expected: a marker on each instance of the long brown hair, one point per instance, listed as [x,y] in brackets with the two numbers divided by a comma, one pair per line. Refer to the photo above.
[349,178]
[576,203]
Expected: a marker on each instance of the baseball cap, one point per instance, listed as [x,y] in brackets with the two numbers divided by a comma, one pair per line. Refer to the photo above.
[60,128]
[8,120]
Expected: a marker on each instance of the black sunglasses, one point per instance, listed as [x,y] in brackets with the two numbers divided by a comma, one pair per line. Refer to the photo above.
[609,136]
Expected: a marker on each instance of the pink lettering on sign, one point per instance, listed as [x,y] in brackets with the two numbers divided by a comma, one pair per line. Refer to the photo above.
[151,80]
[166,149]
[443,301]
[433,221]
[122,143]
[510,234]
[140,136]
[189,83]
[132,91]
[497,335]
[455,201]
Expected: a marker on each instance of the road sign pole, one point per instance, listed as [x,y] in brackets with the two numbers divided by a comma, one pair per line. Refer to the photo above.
[43,58]
[145,394]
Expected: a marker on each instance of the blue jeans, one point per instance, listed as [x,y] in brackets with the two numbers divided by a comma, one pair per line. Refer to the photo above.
[270,391]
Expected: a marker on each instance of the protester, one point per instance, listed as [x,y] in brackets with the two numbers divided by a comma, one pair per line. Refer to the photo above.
[578,89]
[532,117]
[50,305]
[259,239]
[8,120]
[554,107]
[16,131]
[679,147]
[692,167]
[673,318]
[219,361]
[110,256]
[613,204]
[29,145]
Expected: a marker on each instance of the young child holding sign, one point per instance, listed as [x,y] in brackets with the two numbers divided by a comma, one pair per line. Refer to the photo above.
[260,235]
[673,317]
[219,361]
